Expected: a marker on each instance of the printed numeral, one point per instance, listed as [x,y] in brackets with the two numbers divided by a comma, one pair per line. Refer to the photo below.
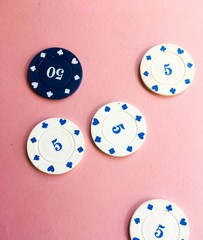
[159,231]
[167,69]
[117,129]
[57,145]
[56,73]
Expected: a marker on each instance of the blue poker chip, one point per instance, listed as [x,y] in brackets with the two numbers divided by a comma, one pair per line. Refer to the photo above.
[55,73]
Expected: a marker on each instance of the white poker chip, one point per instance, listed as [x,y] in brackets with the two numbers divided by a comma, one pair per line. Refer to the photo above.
[167,69]
[55,146]
[159,219]
[118,129]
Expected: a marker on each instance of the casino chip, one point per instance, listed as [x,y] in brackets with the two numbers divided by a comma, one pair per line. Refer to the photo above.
[55,146]
[159,219]
[167,69]
[55,73]
[118,129]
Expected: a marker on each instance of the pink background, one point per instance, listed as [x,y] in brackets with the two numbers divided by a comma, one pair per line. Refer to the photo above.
[98,197]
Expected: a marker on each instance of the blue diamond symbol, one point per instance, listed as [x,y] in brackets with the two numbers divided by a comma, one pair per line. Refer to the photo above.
[150,207]
[111,151]
[33,140]
[80,149]
[124,106]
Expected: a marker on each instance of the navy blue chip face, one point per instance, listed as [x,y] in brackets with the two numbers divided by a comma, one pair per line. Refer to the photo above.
[55,73]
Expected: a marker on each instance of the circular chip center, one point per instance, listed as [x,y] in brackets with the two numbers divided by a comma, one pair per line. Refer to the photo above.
[55,72]
[168,69]
[119,128]
[56,145]
[160,225]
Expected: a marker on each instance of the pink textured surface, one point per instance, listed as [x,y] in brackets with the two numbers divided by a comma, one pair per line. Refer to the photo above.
[97,198]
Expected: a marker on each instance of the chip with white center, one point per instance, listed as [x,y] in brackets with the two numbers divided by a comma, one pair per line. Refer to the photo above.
[159,219]
[118,129]
[167,69]
[55,145]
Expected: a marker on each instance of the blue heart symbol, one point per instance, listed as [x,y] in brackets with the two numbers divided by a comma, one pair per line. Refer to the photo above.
[141,135]
[180,51]
[183,222]
[135,238]
[155,88]
[129,148]
[189,65]
[138,118]
[95,121]
[187,81]
[62,121]
[36,157]
[107,109]
[172,90]
[69,165]
[163,49]
[76,132]
[44,125]
[51,168]
[137,220]
[148,57]
[146,73]
[169,208]
[97,139]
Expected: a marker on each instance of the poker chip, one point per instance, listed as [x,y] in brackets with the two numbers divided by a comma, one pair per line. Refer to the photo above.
[167,69]
[159,219]
[55,146]
[55,73]
[118,129]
